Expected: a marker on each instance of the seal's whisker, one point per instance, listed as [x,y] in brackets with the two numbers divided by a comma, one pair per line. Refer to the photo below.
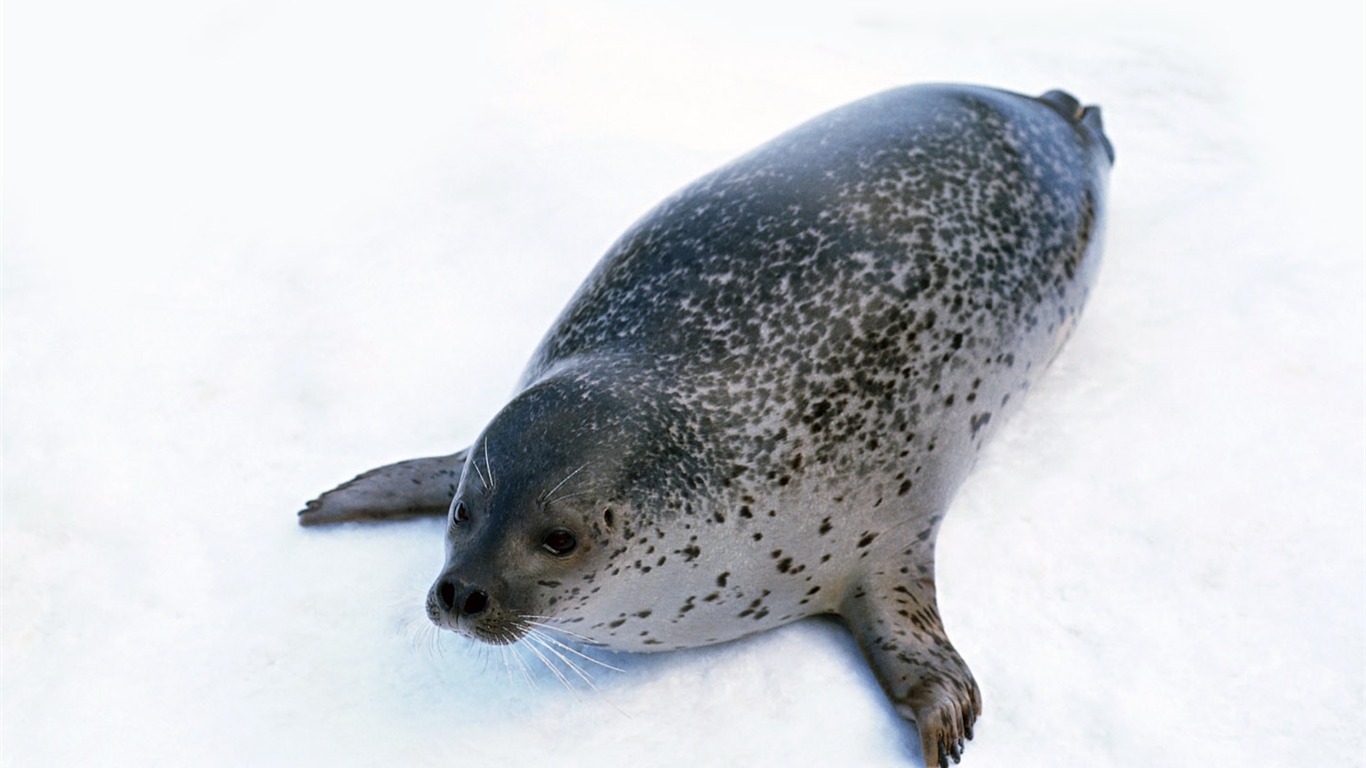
[531,646]
[541,639]
[485,654]
[504,652]
[423,634]
[571,648]
[515,655]
[503,657]
[535,641]
[565,496]
[531,620]
[493,481]
[434,639]
[545,498]
[507,649]
[474,462]
[411,629]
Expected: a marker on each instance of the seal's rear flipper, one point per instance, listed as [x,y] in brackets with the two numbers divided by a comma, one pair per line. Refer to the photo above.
[1067,105]
[413,488]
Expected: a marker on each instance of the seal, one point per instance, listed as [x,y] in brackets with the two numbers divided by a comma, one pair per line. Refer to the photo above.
[759,405]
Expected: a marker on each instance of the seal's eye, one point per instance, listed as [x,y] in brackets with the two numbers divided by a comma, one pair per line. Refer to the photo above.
[460,514]
[559,542]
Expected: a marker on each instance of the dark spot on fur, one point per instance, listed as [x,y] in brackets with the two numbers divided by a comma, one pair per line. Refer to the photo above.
[979,421]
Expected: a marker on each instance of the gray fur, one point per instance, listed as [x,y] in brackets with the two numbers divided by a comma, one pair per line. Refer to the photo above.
[412,488]
[759,405]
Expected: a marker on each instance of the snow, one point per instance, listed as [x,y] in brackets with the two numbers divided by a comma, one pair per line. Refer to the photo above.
[251,248]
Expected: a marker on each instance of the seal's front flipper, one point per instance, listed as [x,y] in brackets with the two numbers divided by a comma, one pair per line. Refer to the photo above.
[896,622]
[412,488]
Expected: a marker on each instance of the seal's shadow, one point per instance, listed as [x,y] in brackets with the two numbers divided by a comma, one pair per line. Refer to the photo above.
[726,677]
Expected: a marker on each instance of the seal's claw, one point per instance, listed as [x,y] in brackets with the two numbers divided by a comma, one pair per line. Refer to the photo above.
[944,721]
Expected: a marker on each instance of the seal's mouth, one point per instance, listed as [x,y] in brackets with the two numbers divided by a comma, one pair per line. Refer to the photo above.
[506,635]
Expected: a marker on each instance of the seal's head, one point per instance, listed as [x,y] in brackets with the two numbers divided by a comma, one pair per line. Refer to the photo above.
[544,507]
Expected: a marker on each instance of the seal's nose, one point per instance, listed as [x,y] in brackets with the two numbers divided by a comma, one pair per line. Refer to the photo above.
[474,602]
[471,602]
[445,594]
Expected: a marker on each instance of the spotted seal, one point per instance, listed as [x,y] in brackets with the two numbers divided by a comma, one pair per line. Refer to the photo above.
[759,405]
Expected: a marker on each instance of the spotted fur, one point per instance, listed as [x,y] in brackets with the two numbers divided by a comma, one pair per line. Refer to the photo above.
[759,405]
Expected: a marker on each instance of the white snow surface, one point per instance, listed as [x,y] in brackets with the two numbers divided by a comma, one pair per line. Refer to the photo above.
[252,248]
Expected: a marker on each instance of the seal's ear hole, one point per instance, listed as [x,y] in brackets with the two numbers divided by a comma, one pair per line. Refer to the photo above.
[609,518]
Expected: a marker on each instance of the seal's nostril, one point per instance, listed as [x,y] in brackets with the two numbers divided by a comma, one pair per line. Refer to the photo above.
[475,602]
[445,592]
